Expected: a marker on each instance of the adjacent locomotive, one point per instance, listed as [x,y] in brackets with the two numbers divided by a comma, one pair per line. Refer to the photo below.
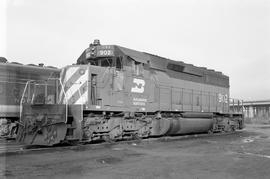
[13,78]
[115,93]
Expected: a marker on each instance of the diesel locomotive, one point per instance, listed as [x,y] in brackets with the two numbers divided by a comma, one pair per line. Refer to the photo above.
[13,78]
[115,93]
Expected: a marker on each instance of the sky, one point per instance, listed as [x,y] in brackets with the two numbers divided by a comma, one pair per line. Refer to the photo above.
[231,36]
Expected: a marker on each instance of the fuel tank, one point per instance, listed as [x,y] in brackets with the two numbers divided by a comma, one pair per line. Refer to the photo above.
[176,126]
[189,125]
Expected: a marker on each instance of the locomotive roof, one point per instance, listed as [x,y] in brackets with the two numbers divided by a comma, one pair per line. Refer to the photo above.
[162,63]
[176,69]
[16,65]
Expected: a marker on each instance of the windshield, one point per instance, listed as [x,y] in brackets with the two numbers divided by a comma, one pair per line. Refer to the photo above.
[107,62]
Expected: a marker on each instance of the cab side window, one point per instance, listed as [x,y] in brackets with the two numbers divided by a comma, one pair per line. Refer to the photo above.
[119,63]
[137,68]
[107,62]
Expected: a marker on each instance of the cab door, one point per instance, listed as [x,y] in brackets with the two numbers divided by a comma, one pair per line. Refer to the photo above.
[117,98]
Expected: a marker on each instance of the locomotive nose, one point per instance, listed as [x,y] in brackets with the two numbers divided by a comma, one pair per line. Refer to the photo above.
[74,80]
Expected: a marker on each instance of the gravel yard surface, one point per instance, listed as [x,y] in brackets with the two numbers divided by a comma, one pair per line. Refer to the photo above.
[244,154]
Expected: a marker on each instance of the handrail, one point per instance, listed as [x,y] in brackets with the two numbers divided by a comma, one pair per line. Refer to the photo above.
[22,98]
[65,98]
[45,81]
[236,105]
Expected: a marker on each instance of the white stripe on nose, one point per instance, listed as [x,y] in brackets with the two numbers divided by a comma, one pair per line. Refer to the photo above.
[69,73]
[82,99]
[77,85]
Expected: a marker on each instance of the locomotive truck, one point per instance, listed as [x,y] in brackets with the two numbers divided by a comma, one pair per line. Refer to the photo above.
[13,78]
[115,93]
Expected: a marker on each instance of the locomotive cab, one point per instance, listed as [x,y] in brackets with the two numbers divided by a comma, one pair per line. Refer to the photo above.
[105,80]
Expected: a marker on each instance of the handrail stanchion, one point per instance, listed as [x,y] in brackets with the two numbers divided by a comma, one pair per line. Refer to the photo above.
[22,98]
[65,99]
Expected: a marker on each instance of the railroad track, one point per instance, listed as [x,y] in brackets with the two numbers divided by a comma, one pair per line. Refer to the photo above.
[10,147]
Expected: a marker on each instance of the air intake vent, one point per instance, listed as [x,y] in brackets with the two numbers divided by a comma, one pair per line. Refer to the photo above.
[175,67]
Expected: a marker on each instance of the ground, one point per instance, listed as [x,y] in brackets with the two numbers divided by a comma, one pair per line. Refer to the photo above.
[244,154]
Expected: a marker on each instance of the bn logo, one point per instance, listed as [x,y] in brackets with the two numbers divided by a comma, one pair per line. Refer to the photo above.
[138,86]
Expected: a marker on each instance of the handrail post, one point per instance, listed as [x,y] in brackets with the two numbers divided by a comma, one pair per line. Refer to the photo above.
[21,101]
[65,99]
